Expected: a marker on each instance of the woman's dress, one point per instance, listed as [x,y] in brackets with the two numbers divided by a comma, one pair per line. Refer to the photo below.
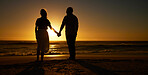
[42,34]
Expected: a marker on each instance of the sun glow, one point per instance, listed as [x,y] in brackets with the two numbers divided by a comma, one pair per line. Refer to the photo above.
[51,32]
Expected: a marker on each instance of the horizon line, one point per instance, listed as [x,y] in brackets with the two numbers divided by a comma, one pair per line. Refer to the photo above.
[79,40]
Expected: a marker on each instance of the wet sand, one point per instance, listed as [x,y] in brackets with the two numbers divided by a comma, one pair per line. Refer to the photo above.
[83,65]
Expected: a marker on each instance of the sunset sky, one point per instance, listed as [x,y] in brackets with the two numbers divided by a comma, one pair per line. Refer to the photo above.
[99,20]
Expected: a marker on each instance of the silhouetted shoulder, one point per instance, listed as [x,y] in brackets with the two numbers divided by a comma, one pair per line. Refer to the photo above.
[37,21]
[43,19]
[70,19]
[70,16]
[42,23]
[75,17]
[65,17]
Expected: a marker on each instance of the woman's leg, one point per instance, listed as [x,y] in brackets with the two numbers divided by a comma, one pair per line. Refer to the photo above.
[38,53]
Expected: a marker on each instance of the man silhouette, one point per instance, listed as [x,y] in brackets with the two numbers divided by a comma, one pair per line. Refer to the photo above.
[71,23]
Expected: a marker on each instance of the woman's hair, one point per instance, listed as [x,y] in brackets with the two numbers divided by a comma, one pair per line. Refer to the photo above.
[43,13]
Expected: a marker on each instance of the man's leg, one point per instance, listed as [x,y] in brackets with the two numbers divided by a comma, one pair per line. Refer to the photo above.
[71,46]
[42,55]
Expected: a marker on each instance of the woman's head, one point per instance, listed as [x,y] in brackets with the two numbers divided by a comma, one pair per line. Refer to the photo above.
[43,13]
[69,10]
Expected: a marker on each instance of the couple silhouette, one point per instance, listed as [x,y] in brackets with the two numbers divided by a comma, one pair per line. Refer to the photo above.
[70,21]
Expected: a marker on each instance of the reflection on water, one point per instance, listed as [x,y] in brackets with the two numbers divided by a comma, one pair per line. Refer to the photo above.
[53,46]
[55,55]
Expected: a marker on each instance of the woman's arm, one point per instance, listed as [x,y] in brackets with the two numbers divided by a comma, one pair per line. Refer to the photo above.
[51,27]
[54,30]
[36,31]
[36,27]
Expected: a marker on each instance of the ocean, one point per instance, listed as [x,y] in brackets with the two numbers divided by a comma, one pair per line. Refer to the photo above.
[28,48]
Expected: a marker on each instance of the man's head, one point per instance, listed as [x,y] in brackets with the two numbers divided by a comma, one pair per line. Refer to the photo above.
[69,10]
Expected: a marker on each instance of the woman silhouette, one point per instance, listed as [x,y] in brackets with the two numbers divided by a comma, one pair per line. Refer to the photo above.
[42,34]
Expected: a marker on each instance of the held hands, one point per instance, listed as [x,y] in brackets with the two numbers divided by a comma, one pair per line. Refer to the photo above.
[58,34]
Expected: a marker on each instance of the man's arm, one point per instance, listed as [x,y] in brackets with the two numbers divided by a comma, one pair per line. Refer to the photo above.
[77,23]
[62,26]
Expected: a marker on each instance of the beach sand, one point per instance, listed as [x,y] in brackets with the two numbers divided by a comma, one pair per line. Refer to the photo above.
[83,65]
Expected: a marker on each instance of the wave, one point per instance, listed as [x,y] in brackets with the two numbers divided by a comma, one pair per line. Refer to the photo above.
[26,48]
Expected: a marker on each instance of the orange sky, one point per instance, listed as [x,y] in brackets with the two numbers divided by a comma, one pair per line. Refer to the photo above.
[99,20]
